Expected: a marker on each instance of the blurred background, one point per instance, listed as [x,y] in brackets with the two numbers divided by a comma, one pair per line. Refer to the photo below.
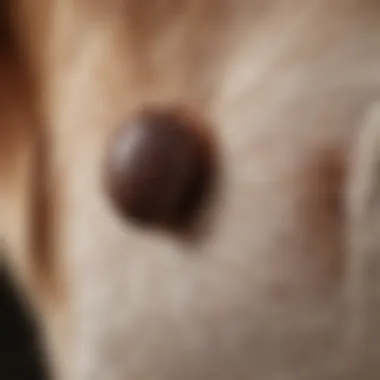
[20,358]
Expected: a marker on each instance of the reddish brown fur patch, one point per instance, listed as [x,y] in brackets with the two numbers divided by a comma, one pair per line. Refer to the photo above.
[24,179]
[322,206]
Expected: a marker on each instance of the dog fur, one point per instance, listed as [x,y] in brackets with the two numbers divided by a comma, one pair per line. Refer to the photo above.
[284,284]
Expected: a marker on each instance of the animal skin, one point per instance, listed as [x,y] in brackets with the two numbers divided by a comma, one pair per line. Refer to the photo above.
[280,280]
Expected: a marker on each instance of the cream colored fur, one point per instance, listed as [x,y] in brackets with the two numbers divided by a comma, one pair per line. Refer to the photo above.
[284,287]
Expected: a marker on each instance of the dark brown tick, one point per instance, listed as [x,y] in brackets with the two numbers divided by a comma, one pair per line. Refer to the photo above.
[160,167]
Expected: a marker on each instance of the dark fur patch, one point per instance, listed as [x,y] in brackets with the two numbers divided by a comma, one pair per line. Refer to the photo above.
[6,35]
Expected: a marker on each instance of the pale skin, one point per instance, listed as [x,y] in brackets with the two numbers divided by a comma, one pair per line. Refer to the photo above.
[283,284]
